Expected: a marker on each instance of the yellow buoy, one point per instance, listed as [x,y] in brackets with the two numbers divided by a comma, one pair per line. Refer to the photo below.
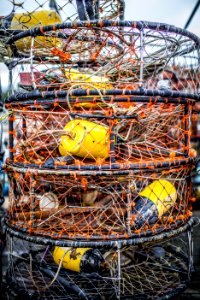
[98,82]
[24,21]
[162,193]
[153,201]
[85,139]
[78,259]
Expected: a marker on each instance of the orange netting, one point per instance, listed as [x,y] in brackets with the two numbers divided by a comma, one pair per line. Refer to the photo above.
[25,14]
[94,131]
[100,151]
[97,206]
[84,110]
[104,55]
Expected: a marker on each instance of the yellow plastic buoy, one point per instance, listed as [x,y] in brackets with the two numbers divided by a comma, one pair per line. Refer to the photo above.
[85,139]
[78,259]
[153,201]
[24,21]
[162,193]
[99,82]
[89,105]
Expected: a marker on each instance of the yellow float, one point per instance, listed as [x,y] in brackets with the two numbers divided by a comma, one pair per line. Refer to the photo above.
[153,202]
[162,193]
[24,21]
[85,139]
[78,259]
[81,79]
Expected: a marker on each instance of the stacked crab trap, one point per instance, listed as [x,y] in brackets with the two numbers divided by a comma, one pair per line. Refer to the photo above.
[100,161]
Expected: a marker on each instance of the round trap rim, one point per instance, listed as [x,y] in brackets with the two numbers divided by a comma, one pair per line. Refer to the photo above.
[98,243]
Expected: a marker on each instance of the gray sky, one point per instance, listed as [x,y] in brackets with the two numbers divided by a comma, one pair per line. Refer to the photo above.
[174,12]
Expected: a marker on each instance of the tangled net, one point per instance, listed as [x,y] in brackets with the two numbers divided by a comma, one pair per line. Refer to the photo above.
[69,137]
[151,270]
[104,55]
[100,153]
[31,13]
[99,205]
[55,130]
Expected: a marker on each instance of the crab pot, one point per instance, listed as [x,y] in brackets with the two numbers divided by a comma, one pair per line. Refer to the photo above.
[146,269]
[106,55]
[85,130]
[41,13]
[99,205]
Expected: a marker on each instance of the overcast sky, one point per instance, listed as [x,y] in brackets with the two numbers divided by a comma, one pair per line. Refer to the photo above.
[175,12]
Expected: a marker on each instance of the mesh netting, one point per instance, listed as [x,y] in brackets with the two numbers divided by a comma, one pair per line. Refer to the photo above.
[105,55]
[98,69]
[147,271]
[68,10]
[58,130]
[26,14]
[100,152]
[99,205]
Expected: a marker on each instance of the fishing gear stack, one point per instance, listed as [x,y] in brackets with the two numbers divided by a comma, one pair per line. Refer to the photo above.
[148,269]
[100,160]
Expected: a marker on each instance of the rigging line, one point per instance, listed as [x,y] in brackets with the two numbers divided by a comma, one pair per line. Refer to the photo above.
[81,10]
[89,5]
[121,9]
[54,6]
[87,9]
[192,14]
